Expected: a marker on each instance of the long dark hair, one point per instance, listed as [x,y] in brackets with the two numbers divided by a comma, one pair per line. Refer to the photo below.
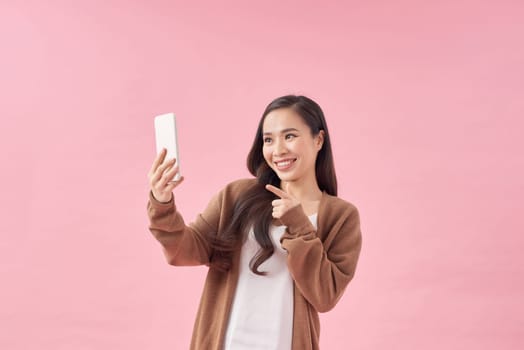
[253,207]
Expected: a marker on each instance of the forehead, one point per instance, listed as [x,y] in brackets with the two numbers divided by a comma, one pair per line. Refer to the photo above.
[283,118]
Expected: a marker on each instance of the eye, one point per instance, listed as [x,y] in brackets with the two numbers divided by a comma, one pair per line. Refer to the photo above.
[290,136]
[267,140]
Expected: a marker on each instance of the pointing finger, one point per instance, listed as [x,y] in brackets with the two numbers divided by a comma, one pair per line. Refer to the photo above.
[278,192]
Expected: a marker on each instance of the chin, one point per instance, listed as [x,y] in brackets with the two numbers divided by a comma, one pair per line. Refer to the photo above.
[286,177]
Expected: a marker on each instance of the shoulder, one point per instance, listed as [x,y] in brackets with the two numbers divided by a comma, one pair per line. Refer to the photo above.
[338,205]
[335,211]
[230,192]
[337,218]
[223,201]
[240,185]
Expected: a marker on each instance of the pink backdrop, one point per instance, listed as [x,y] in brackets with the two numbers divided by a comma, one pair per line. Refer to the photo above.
[425,105]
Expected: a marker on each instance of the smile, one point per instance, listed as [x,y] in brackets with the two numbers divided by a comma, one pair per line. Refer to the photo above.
[284,164]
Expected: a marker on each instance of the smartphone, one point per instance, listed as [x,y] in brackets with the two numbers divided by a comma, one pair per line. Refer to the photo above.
[166,137]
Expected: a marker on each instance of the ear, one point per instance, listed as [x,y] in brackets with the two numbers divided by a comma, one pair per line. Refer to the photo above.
[319,139]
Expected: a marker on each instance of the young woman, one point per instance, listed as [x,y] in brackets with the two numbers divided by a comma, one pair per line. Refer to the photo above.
[280,247]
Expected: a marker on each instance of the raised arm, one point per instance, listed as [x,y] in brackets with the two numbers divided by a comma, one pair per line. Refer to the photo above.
[182,244]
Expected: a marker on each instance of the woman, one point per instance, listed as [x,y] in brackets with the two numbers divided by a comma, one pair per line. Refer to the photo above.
[280,248]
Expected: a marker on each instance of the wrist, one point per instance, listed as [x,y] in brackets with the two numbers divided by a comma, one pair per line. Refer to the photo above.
[161,199]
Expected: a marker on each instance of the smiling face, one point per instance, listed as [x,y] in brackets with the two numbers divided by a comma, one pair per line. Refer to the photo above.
[289,147]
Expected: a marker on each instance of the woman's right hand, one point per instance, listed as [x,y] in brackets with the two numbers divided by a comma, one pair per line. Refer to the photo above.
[161,177]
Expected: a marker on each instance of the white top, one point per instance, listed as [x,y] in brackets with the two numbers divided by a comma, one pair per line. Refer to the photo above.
[262,311]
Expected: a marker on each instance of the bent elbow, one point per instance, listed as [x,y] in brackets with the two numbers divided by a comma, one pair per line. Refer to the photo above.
[330,301]
[326,306]
[171,257]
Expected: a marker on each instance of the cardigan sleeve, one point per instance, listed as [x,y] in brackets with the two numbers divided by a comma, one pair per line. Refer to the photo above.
[322,270]
[183,244]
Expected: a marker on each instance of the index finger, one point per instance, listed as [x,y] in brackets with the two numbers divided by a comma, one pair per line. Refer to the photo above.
[159,159]
[278,192]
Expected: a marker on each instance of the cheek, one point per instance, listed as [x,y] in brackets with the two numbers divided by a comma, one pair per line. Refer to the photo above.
[309,151]
[266,152]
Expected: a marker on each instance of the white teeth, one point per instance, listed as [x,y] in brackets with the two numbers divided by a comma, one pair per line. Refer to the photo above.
[285,163]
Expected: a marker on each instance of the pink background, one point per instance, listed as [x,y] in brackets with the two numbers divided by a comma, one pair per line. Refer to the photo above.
[425,102]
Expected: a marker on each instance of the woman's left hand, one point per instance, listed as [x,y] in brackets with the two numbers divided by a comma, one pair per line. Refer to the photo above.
[282,205]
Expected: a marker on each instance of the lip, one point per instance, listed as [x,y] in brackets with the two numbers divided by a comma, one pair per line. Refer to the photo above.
[286,166]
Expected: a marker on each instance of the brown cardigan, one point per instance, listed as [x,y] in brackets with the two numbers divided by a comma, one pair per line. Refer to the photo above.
[321,262]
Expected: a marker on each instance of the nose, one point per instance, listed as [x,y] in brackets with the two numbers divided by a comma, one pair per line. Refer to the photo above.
[280,148]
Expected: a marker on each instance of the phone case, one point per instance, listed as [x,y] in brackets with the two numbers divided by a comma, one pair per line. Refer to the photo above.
[166,137]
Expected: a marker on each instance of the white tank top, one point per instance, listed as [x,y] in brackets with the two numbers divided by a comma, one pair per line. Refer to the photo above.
[262,311]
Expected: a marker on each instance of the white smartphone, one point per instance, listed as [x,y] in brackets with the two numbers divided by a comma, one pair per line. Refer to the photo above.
[166,137]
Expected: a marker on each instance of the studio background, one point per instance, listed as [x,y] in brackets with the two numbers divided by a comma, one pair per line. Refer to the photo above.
[424,101]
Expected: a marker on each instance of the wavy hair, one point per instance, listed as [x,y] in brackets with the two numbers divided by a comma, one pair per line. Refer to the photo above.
[253,207]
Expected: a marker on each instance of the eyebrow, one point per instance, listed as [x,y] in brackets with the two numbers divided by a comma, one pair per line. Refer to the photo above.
[282,132]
